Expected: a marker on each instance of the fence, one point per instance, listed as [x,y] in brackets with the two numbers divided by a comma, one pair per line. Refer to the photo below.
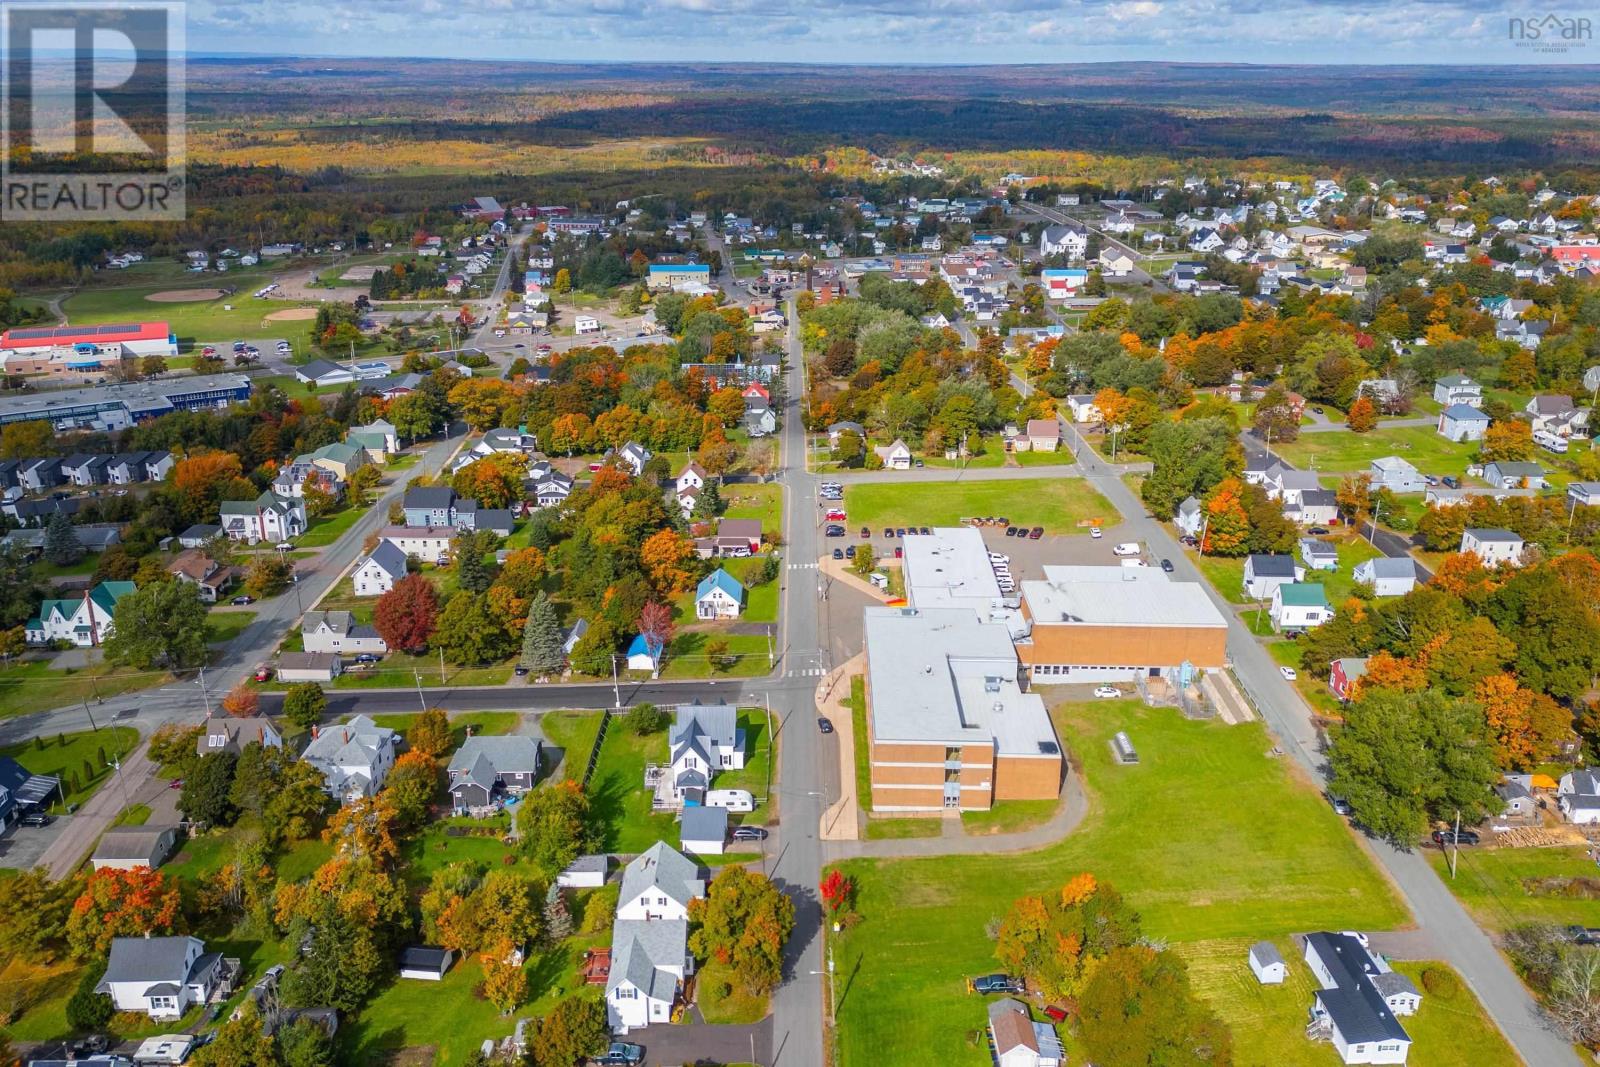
[594,753]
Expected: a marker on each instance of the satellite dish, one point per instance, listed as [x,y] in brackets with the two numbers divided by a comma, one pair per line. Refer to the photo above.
[1591,379]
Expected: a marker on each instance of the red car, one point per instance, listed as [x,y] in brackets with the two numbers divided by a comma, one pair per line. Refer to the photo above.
[835,515]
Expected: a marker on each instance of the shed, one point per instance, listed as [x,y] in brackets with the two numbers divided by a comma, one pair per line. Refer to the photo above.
[704,830]
[309,666]
[585,872]
[1266,963]
[125,847]
[425,963]
[1123,748]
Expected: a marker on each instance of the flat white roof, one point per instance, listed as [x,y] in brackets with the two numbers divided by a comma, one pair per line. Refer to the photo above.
[950,567]
[1117,596]
[942,676]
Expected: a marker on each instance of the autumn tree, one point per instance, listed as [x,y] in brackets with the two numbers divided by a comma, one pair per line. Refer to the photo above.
[204,480]
[655,624]
[1507,439]
[1051,938]
[484,403]
[743,921]
[727,405]
[241,701]
[468,632]
[117,903]
[412,784]
[239,1043]
[364,831]
[666,556]
[268,575]
[430,734]
[33,925]
[1363,415]
[837,893]
[505,982]
[574,1030]
[405,616]
[1227,526]
[495,481]
[1139,1008]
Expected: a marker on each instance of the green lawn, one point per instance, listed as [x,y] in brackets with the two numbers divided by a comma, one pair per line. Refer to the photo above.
[686,656]
[293,387]
[1342,451]
[44,569]
[202,856]
[858,732]
[1225,573]
[76,758]
[1500,885]
[32,685]
[1057,504]
[479,722]
[737,1007]
[329,528]
[573,732]
[1339,584]
[397,670]
[1009,816]
[205,321]
[133,815]
[764,502]
[1181,835]
[900,829]
[1268,1022]
[224,626]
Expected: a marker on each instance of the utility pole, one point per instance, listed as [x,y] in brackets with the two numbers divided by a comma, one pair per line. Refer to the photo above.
[616,689]
[1455,846]
[205,694]
[92,724]
[421,700]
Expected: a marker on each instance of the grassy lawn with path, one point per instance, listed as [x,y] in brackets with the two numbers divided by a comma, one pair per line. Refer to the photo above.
[1341,451]
[208,320]
[65,756]
[1057,504]
[1181,835]
[1502,886]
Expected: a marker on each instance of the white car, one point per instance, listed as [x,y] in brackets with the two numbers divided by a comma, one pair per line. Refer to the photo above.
[1107,692]
[1096,533]
[1288,673]
[1127,548]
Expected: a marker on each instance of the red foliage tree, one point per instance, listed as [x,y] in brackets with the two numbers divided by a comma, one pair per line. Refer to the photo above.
[655,623]
[836,892]
[406,614]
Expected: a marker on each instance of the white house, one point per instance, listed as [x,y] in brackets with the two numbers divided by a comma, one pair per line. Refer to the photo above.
[1514,474]
[703,831]
[1190,517]
[691,477]
[1578,796]
[1396,475]
[1318,555]
[1267,964]
[1458,389]
[1299,606]
[1071,241]
[1386,576]
[376,573]
[1459,422]
[1115,263]
[431,544]
[1018,1040]
[353,757]
[719,596]
[84,620]
[337,631]
[1493,546]
[633,456]
[1361,997]
[1557,414]
[1044,435]
[1263,574]
[649,938]
[425,964]
[704,739]
[268,517]
[896,456]
[160,976]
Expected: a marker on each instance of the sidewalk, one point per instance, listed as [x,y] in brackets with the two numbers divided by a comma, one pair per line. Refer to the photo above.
[95,817]
[841,821]
[954,841]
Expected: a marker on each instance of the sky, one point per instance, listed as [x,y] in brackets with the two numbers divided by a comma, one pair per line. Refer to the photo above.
[891,31]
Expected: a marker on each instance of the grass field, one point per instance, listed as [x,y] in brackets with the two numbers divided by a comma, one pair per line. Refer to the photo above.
[202,321]
[1338,585]
[1182,836]
[76,758]
[1341,451]
[33,685]
[328,529]
[486,723]
[1057,504]
[686,656]
[1495,885]
[224,626]
[1268,1022]
[574,733]
[764,502]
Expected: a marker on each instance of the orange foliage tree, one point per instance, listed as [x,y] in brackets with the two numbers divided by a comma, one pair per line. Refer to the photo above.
[118,903]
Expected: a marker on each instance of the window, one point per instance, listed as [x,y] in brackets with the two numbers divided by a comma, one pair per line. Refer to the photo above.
[216,740]
[626,992]
[661,901]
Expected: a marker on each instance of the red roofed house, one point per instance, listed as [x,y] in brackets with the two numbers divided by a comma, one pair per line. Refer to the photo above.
[1575,254]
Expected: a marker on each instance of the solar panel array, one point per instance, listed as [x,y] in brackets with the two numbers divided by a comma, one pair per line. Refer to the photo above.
[48,332]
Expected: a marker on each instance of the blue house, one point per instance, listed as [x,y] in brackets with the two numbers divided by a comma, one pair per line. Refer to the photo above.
[719,596]
[645,655]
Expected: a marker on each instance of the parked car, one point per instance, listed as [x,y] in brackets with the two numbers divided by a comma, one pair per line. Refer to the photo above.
[824,725]
[1584,935]
[866,533]
[899,552]
[834,515]
[1452,482]
[1107,692]
[1340,805]
[899,531]
[263,673]
[620,1054]
[1096,533]
[1126,548]
[749,833]
[850,552]
[1452,837]
[1036,533]
[838,553]
[995,983]
[36,818]
[1288,673]
[520,672]
[367,657]
[834,530]
[1318,410]
[926,532]
[1011,531]
[242,599]
[888,532]
[1166,565]
[1317,531]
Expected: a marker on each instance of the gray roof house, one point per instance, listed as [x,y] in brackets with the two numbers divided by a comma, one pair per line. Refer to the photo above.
[1396,475]
[659,884]
[338,631]
[649,961]
[224,733]
[1264,573]
[1387,576]
[486,768]
[1360,998]
[159,976]
[354,757]
[125,847]
[1318,554]
[704,831]
[1509,474]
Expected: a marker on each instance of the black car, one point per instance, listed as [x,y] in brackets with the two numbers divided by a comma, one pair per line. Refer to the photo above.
[838,553]
[520,672]
[1011,531]
[926,532]
[1452,482]
[1166,565]
[899,531]
[749,833]
[242,599]
[850,552]
[1318,410]
[825,725]
[888,531]
[367,657]
[1317,531]
[1584,935]
[834,531]
[1452,837]
[36,818]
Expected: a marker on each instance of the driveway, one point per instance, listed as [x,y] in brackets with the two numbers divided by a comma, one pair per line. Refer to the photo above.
[668,1046]
[25,846]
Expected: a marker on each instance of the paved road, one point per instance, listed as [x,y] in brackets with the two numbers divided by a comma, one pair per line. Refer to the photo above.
[1462,943]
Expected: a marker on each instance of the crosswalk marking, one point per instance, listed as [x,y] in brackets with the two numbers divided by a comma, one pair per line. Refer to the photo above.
[808,672]
[803,566]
